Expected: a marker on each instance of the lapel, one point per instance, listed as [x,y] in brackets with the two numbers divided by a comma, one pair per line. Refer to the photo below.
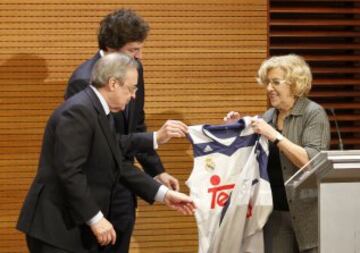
[270,117]
[130,108]
[129,114]
[96,57]
[105,127]
[92,62]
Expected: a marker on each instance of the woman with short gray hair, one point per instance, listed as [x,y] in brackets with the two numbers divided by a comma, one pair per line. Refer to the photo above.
[297,129]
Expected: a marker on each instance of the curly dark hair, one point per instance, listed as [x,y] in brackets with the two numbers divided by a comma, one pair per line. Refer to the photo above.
[120,27]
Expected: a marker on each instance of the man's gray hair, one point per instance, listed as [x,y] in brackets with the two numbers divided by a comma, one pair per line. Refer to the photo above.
[113,65]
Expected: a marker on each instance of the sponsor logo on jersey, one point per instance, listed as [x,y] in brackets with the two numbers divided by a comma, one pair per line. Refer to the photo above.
[220,193]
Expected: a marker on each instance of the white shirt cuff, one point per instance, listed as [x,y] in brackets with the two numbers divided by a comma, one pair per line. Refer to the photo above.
[156,145]
[95,219]
[160,195]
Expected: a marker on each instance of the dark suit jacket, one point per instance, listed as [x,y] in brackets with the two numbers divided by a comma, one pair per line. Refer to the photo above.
[136,128]
[79,165]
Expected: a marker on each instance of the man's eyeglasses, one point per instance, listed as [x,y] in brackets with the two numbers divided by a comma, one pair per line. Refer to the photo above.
[132,89]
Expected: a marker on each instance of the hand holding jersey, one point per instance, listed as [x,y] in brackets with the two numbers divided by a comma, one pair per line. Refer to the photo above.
[170,129]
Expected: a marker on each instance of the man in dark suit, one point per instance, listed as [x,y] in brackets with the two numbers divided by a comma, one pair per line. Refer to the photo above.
[124,31]
[68,204]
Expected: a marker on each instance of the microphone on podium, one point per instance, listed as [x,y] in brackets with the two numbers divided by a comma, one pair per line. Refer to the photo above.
[341,146]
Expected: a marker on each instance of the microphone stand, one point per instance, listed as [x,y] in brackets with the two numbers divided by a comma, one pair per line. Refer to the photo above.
[341,145]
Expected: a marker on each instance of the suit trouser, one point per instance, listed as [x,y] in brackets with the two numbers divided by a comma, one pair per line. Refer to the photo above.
[122,217]
[38,246]
[279,235]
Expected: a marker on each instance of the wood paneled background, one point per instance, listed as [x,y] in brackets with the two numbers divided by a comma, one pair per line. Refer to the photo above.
[200,62]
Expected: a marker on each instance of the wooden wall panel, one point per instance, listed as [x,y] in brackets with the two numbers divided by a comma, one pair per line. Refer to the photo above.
[327,34]
[200,62]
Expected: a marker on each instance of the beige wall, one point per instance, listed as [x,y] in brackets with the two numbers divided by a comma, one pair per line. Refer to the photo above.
[200,62]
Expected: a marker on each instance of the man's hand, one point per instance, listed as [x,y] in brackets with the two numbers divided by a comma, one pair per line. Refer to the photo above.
[232,117]
[171,128]
[168,180]
[180,202]
[104,232]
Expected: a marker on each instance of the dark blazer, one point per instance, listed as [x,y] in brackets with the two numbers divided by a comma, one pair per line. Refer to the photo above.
[79,165]
[134,113]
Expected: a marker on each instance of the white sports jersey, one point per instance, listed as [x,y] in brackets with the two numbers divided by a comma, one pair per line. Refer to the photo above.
[230,187]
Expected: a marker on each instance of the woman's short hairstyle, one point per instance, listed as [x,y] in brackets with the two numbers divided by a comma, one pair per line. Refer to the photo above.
[297,73]
[113,65]
[121,27]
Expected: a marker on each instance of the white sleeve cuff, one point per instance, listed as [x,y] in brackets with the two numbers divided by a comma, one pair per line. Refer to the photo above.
[160,195]
[95,219]
[156,145]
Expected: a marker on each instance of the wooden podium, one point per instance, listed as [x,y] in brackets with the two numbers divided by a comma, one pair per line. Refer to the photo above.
[335,177]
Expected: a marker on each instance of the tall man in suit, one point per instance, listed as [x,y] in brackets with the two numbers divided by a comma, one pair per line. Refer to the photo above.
[68,204]
[124,31]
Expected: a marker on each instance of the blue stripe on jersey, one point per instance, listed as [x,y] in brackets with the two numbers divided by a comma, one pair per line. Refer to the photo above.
[201,149]
[226,131]
[225,208]
[262,159]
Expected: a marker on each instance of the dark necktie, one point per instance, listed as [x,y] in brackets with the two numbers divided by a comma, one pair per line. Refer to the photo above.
[120,123]
[111,122]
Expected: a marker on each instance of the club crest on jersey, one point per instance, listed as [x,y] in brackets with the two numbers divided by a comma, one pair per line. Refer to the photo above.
[220,193]
[209,164]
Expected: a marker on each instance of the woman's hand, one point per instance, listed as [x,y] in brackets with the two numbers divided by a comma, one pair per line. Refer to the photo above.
[295,153]
[260,126]
[232,117]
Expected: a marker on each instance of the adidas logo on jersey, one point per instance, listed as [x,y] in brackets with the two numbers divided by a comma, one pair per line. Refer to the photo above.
[208,149]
